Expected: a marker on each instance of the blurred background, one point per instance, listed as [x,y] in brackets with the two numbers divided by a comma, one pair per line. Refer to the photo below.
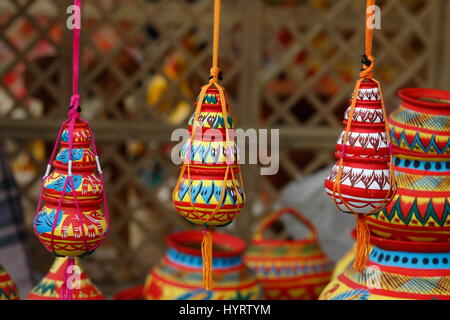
[287,64]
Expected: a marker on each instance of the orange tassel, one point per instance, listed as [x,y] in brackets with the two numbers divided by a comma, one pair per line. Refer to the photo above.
[362,243]
[207,260]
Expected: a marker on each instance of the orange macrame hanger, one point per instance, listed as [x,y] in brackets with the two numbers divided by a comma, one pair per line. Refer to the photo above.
[215,76]
[362,230]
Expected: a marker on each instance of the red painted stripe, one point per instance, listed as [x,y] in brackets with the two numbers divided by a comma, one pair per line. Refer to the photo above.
[409,246]
[421,172]
[5,278]
[423,193]
[418,155]
[412,272]
[357,192]
[364,127]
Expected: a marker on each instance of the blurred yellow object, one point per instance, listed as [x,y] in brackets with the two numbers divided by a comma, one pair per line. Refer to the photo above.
[159,97]
[181,111]
[157,87]
[319,4]
[37,148]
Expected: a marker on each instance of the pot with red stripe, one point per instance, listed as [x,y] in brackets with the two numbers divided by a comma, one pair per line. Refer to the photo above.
[364,185]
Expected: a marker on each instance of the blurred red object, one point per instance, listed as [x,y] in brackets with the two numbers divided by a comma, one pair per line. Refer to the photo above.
[133,293]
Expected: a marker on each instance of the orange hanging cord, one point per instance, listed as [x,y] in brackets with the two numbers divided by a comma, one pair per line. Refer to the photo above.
[214,81]
[362,229]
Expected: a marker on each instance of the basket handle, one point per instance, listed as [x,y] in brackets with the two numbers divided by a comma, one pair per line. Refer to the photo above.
[273,217]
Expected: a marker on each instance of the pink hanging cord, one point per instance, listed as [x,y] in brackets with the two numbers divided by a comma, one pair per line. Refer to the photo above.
[66,292]
[75,100]
[74,116]
[342,153]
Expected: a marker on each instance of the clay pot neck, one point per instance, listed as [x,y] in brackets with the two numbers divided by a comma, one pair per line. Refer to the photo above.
[75,169]
[426,100]
[189,243]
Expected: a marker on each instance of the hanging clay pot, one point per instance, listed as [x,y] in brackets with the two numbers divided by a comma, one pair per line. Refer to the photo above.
[410,254]
[65,202]
[365,179]
[213,158]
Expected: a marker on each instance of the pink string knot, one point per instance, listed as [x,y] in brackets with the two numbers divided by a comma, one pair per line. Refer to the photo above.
[229,153]
[342,153]
[66,292]
[74,106]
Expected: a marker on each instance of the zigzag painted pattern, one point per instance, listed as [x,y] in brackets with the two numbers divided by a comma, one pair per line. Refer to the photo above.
[436,145]
[202,152]
[209,192]
[210,98]
[212,120]
[50,289]
[425,211]
[220,218]
[8,292]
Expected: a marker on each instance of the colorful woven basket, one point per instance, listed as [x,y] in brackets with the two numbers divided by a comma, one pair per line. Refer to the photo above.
[289,269]
[179,274]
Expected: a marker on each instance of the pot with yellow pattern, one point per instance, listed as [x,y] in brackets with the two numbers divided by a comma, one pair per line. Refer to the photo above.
[70,238]
[204,187]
